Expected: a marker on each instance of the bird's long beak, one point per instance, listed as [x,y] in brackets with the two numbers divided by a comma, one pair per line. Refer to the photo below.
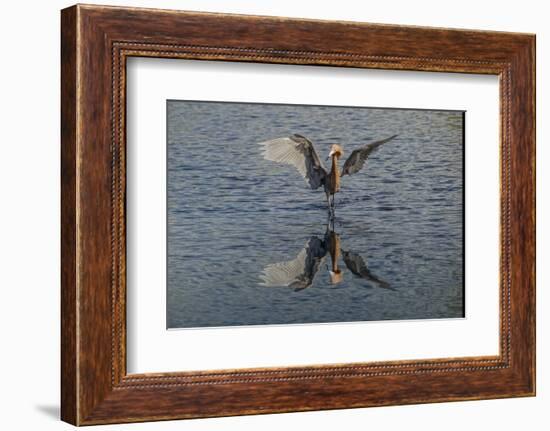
[329,155]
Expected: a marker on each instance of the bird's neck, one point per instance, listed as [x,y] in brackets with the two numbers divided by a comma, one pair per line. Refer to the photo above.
[335,172]
[334,251]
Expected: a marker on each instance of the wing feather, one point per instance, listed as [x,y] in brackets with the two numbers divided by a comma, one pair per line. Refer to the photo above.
[298,272]
[284,273]
[357,266]
[298,151]
[359,156]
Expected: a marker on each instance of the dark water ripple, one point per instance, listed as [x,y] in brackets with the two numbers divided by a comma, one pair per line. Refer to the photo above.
[231,213]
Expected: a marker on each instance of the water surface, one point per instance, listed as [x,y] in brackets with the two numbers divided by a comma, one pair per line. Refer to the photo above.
[231,214]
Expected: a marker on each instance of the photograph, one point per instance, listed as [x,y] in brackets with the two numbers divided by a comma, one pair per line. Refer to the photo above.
[275,215]
[284,214]
[276,209]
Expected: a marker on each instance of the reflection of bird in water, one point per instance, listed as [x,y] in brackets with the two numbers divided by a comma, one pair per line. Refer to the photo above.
[300,272]
[332,240]
[358,267]
[298,151]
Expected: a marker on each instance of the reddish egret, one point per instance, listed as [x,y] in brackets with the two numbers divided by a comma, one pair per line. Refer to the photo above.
[298,151]
[300,272]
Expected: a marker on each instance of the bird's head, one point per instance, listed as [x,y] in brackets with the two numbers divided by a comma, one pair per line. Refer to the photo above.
[336,150]
[336,276]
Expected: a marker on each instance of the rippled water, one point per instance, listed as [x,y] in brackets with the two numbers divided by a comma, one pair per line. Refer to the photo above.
[231,214]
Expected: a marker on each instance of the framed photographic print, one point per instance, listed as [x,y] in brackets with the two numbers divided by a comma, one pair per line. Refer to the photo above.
[265,214]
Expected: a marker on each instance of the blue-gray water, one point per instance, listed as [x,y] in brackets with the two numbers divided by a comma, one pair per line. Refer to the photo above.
[231,214]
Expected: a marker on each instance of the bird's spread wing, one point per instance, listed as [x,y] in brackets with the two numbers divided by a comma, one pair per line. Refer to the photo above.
[357,158]
[299,272]
[357,266]
[299,152]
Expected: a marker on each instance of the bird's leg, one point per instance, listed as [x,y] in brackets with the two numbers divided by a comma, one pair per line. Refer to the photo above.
[333,206]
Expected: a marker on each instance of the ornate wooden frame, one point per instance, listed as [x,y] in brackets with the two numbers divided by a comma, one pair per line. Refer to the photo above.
[95,43]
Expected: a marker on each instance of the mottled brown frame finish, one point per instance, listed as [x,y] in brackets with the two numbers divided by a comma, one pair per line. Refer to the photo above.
[95,42]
